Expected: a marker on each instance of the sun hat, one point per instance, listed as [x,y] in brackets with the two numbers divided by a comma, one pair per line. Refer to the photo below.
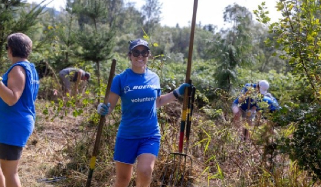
[264,86]
[137,42]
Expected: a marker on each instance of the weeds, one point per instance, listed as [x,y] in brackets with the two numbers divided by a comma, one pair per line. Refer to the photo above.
[219,157]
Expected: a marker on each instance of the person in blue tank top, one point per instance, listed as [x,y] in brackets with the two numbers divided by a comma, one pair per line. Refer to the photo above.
[18,92]
[138,135]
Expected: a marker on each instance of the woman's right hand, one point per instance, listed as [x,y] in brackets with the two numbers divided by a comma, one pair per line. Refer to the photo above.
[103,109]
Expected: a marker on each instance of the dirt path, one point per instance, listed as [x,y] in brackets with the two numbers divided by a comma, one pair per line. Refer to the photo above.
[44,149]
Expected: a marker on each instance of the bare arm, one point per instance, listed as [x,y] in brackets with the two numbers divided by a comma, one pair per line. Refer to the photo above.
[16,83]
[164,99]
[113,99]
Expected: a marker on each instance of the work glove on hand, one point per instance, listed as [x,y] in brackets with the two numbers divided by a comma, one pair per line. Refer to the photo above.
[179,92]
[103,108]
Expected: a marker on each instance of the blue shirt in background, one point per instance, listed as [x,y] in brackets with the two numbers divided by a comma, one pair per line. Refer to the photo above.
[249,102]
[272,102]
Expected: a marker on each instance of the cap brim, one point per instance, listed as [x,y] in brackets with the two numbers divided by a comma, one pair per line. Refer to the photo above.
[139,45]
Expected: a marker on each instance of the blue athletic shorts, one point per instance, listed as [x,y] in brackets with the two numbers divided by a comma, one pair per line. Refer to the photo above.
[127,150]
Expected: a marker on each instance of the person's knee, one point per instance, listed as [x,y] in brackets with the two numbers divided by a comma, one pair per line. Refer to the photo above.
[145,171]
[237,115]
[123,178]
[9,172]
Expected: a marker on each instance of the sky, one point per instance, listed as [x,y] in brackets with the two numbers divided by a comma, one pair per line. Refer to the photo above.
[181,11]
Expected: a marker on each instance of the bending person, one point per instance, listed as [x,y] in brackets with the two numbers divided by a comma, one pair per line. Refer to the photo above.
[246,104]
[72,75]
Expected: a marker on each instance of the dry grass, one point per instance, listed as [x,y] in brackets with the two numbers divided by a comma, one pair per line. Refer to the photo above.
[45,148]
[62,148]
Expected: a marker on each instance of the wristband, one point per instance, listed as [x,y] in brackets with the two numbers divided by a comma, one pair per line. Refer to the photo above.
[176,94]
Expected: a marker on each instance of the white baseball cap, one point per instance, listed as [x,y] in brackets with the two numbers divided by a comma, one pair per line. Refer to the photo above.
[264,86]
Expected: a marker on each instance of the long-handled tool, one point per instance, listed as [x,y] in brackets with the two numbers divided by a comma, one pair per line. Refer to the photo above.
[179,165]
[191,100]
[176,176]
[100,126]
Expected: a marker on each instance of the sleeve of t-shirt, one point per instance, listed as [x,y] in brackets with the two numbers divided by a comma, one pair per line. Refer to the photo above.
[159,91]
[115,85]
[236,101]
[275,104]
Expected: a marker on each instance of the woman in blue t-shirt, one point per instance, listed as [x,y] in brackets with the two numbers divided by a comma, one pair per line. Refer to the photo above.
[18,92]
[138,135]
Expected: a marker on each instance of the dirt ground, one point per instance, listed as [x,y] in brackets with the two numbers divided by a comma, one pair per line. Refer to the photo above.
[44,149]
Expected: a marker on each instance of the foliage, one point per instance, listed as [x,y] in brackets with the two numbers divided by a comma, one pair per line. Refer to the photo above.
[231,49]
[88,33]
[151,13]
[49,89]
[95,38]
[15,17]
[298,36]
[306,141]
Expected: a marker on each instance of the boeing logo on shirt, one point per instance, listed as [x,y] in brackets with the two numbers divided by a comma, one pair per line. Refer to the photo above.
[144,87]
[127,89]
[141,87]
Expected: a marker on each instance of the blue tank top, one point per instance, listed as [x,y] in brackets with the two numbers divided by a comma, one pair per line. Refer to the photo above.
[17,121]
[138,93]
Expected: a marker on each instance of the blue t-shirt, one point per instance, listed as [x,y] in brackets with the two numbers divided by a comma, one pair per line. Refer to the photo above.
[17,121]
[273,104]
[138,93]
[249,102]
[247,86]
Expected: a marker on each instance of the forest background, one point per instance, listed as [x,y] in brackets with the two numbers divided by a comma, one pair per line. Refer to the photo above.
[285,146]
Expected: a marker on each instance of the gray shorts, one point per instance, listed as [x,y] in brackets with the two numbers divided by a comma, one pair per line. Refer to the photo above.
[10,152]
[65,81]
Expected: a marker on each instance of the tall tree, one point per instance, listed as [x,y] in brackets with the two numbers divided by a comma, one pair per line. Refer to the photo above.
[95,37]
[128,26]
[231,48]
[151,12]
[16,17]
[115,8]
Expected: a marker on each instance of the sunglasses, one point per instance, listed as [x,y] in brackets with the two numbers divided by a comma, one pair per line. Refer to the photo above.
[7,47]
[136,53]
